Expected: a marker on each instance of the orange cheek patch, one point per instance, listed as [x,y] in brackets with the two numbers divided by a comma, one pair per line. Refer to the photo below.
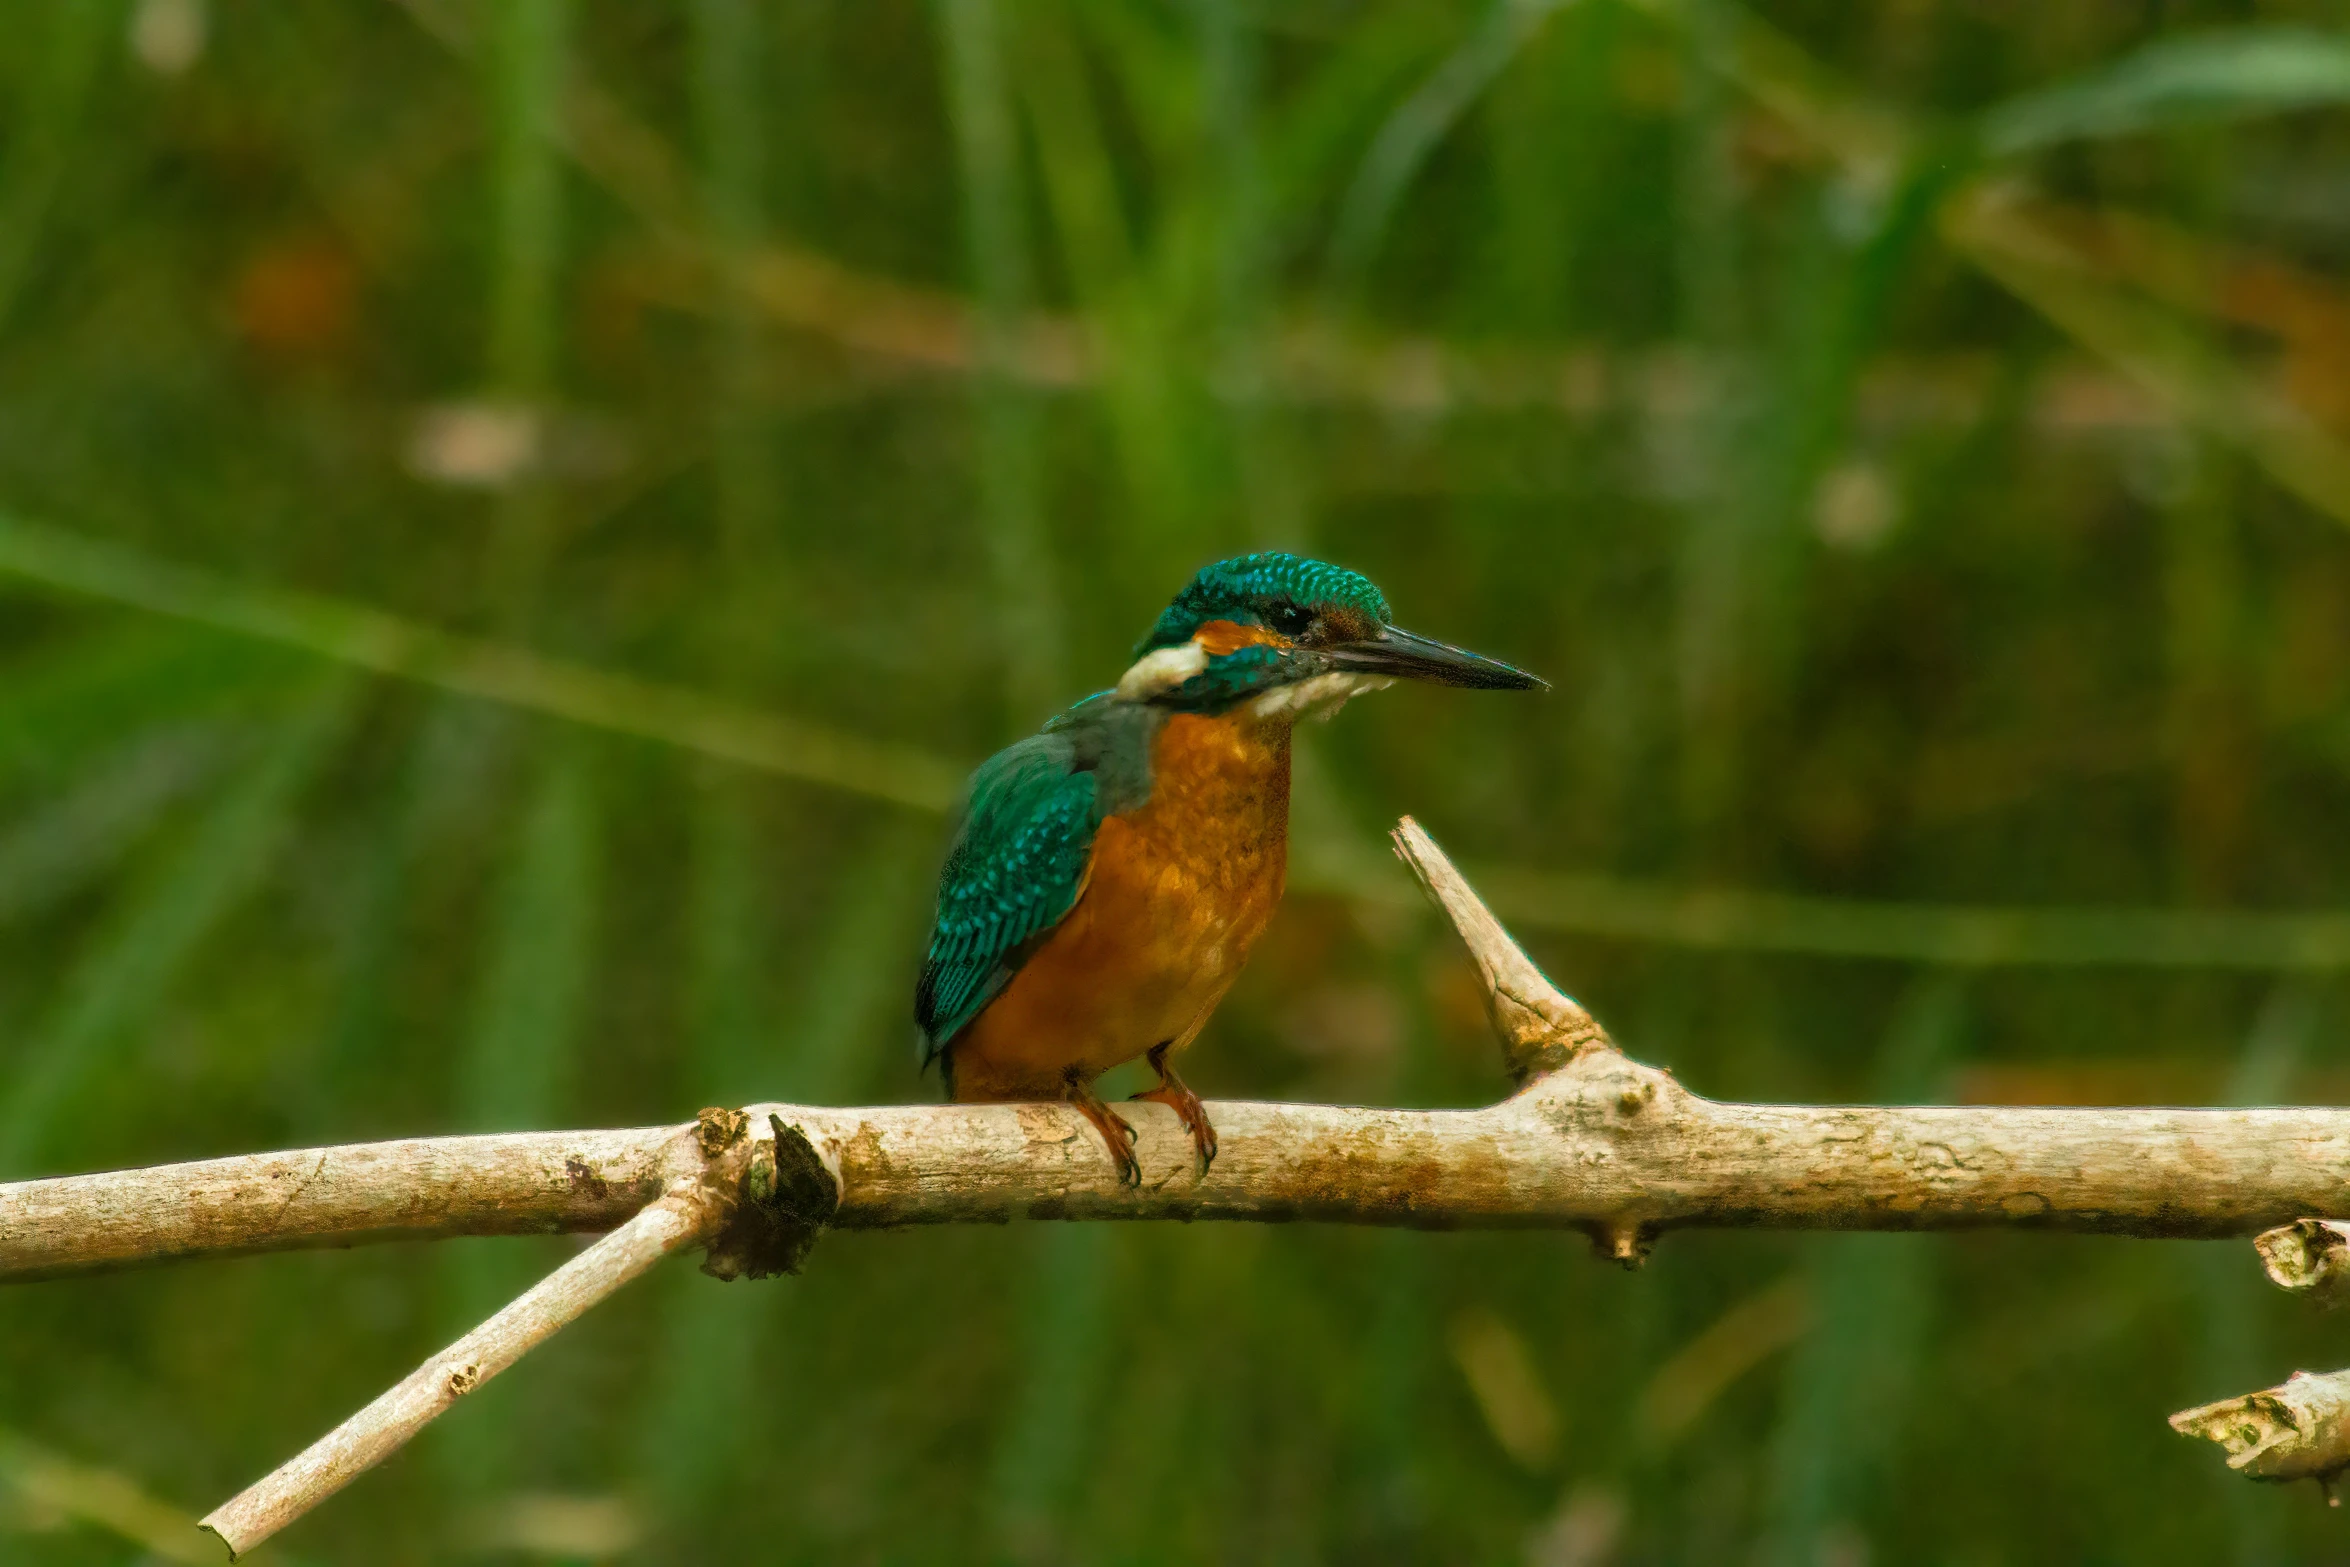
[1219,637]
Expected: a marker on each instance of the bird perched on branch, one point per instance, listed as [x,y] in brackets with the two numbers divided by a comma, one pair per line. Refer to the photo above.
[1111,873]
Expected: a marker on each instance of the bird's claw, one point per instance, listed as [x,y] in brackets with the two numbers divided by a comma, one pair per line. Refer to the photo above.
[1118,1134]
[1194,1116]
[1129,1167]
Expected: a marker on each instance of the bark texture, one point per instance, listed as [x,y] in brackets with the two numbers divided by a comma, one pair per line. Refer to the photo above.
[2308,1256]
[379,1430]
[1602,1144]
[2298,1431]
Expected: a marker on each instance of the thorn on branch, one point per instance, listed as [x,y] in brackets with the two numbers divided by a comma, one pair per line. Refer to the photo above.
[1541,1027]
[1627,1243]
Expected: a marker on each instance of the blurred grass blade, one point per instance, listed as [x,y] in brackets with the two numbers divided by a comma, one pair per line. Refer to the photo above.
[105,1499]
[520,1059]
[1705,1368]
[526,66]
[1314,132]
[1494,1361]
[1721,919]
[2194,80]
[2171,358]
[127,971]
[699,1381]
[1747,547]
[436,800]
[1418,124]
[1063,1297]
[728,57]
[68,48]
[850,1028]
[83,693]
[1047,1440]
[499,672]
[1958,935]
[847,1028]
[1135,311]
[102,814]
[2234,1347]
[840,1035]
[1848,1386]
[1548,139]
[1055,88]
[996,247]
[1232,96]
[535,979]
[1994,226]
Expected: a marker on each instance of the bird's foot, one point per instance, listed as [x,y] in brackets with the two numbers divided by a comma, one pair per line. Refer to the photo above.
[1177,1096]
[1117,1135]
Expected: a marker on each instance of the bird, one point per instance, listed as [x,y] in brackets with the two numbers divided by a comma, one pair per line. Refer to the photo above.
[1108,875]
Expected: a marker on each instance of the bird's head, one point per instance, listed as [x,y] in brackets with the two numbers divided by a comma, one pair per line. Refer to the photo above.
[1288,636]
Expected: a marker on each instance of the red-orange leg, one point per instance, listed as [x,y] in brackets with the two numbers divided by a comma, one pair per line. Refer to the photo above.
[1177,1096]
[1115,1132]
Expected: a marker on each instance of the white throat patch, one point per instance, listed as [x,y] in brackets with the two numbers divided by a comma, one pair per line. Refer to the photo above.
[1162,669]
[1318,697]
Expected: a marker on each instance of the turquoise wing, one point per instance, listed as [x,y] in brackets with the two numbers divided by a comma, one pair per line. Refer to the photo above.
[1016,867]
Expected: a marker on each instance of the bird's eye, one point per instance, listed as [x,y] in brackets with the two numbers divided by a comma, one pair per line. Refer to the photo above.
[1291,620]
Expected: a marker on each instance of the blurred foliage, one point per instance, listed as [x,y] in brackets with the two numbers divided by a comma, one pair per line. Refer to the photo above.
[512,513]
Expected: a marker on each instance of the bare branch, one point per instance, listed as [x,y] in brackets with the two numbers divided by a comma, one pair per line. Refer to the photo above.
[2300,1431]
[2310,1256]
[738,1183]
[1601,1139]
[518,1183]
[376,1432]
[1592,1140]
[1541,1027]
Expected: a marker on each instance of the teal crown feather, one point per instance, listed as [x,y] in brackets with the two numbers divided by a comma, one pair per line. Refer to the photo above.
[1271,588]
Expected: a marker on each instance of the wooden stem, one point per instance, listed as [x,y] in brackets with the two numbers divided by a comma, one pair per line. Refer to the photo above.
[1601,1143]
[2300,1429]
[379,1430]
[1592,1140]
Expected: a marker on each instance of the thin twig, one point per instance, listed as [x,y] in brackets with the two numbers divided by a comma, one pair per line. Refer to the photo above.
[360,1443]
[756,1206]
[2308,1256]
[1540,1026]
[2297,1431]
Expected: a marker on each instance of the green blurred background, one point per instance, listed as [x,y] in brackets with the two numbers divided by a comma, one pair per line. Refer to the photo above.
[1911,438]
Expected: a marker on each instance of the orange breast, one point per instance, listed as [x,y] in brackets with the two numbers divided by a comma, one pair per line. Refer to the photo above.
[1175,896]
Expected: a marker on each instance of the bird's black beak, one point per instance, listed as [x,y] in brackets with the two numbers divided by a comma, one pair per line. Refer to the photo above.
[1408,656]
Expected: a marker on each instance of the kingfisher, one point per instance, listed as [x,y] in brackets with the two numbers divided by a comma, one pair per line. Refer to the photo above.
[1110,874]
